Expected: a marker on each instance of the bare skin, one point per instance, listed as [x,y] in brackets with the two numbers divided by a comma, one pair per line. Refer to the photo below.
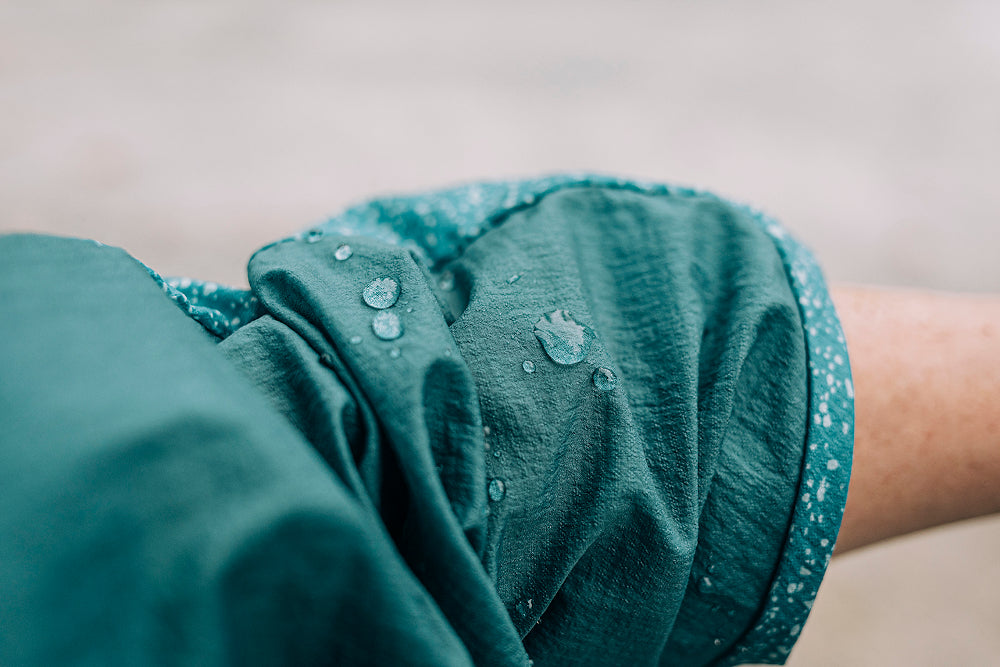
[926,370]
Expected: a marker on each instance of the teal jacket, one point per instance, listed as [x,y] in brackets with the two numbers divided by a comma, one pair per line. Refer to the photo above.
[568,421]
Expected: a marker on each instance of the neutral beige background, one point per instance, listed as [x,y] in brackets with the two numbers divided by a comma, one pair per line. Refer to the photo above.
[191,133]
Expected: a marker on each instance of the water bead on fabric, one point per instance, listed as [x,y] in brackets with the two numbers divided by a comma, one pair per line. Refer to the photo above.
[565,340]
[343,252]
[528,366]
[387,326]
[497,490]
[447,281]
[523,607]
[381,293]
[355,340]
[605,379]
[514,278]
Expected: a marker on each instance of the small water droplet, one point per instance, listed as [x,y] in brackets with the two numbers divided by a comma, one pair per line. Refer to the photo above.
[514,278]
[528,366]
[497,454]
[355,340]
[343,252]
[313,235]
[447,281]
[497,490]
[705,585]
[717,641]
[387,326]
[486,431]
[409,310]
[394,353]
[564,339]
[605,379]
[381,293]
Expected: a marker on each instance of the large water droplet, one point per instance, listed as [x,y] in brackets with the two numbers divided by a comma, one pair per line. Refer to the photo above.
[528,366]
[447,281]
[497,490]
[343,252]
[605,379]
[565,340]
[381,293]
[387,326]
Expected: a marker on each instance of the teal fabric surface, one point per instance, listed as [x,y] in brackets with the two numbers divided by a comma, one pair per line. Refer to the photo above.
[295,489]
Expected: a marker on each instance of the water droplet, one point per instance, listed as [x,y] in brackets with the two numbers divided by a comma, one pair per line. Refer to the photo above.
[497,490]
[705,585]
[394,353]
[447,281]
[355,340]
[486,431]
[605,379]
[497,454]
[717,641]
[528,366]
[514,278]
[313,235]
[343,252]
[409,310]
[381,293]
[387,326]
[565,340]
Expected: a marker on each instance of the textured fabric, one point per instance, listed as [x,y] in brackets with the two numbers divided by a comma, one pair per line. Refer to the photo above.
[304,491]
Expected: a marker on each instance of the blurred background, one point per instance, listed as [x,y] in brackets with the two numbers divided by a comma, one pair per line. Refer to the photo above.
[192,133]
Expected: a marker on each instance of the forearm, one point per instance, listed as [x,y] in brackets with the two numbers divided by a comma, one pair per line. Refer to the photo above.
[926,370]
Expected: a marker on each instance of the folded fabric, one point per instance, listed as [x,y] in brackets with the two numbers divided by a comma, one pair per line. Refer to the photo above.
[568,421]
